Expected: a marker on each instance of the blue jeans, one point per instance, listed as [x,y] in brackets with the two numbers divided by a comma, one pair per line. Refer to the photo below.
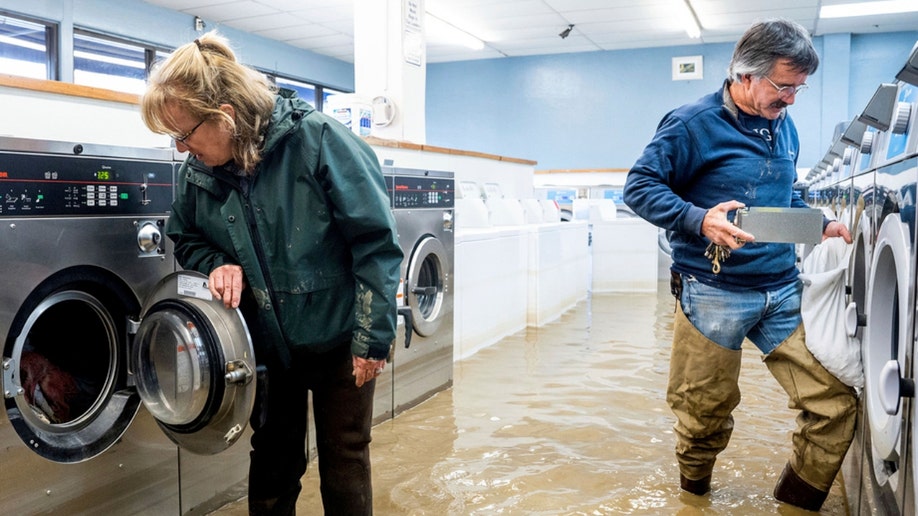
[728,316]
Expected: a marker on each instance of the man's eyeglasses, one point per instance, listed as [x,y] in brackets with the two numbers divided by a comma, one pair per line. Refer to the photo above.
[786,92]
[181,139]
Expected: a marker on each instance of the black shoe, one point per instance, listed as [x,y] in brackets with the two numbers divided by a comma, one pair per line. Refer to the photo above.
[696,487]
[794,490]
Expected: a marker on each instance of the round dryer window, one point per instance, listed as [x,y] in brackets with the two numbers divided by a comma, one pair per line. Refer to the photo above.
[426,284]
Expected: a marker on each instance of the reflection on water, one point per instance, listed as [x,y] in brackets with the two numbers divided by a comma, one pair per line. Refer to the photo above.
[571,419]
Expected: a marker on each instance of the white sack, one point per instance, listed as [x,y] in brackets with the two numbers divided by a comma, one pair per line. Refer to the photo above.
[823,311]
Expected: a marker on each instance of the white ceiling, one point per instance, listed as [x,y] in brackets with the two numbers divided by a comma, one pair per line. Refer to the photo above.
[530,27]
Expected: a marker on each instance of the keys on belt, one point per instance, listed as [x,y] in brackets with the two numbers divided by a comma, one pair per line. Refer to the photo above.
[716,253]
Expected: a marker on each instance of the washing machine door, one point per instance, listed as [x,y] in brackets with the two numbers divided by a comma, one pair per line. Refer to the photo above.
[427,282]
[193,364]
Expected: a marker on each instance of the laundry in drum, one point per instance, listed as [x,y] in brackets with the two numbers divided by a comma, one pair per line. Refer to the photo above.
[54,394]
[795,225]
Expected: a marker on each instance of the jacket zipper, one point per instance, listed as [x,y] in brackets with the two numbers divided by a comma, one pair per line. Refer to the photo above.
[254,235]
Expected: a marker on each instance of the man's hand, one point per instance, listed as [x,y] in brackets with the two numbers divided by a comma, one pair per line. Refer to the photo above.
[721,231]
[226,283]
[837,229]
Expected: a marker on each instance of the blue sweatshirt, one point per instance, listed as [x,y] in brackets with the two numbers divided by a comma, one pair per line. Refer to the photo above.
[706,153]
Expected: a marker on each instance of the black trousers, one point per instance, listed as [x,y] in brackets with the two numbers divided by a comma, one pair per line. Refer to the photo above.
[343,415]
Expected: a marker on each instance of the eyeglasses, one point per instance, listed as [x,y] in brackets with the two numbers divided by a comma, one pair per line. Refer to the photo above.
[786,92]
[181,139]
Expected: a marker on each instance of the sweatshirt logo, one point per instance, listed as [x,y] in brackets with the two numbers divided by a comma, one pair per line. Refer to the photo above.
[764,132]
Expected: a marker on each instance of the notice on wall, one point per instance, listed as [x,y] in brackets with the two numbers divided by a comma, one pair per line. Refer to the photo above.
[413,33]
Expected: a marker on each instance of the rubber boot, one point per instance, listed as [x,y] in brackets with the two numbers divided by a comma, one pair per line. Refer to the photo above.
[825,424]
[702,394]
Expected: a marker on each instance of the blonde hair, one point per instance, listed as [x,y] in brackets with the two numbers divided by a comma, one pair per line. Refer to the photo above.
[201,76]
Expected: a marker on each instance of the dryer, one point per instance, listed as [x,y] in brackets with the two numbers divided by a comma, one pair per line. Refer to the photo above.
[95,322]
[423,203]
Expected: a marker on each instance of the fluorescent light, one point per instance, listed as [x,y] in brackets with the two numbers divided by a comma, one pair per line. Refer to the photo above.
[689,20]
[868,8]
[441,30]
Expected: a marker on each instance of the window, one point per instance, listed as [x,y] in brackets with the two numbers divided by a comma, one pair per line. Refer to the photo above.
[315,94]
[328,92]
[303,90]
[28,48]
[109,63]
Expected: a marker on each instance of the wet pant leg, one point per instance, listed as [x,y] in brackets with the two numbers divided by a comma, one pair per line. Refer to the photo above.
[344,414]
[702,394]
[278,457]
[825,424]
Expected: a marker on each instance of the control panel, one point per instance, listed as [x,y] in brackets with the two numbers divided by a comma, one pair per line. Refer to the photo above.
[43,185]
[421,192]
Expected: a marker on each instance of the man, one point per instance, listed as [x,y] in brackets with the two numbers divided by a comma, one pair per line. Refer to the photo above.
[733,148]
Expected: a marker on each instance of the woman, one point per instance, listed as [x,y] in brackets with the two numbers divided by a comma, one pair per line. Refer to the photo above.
[286,211]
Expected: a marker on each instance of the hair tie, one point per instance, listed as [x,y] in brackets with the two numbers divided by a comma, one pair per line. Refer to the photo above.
[198,43]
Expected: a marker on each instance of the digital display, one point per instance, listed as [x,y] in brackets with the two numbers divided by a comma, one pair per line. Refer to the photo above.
[103,175]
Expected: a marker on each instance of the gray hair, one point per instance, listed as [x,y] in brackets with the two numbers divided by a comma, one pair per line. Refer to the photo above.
[766,42]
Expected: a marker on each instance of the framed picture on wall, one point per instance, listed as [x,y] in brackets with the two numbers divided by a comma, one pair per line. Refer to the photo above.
[687,68]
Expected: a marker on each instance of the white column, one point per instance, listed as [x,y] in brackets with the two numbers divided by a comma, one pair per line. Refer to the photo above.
[390,60]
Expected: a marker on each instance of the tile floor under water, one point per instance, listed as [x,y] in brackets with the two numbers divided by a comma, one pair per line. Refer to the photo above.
[570,418]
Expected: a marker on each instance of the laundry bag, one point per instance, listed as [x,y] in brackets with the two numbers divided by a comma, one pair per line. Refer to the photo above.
[823,310]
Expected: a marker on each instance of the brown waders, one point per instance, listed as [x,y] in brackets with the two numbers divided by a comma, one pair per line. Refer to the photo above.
[703,392]
[825,424]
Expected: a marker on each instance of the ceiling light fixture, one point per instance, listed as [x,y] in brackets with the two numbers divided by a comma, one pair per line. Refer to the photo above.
[441,30]
[566,32]
[868,8]
[690,19]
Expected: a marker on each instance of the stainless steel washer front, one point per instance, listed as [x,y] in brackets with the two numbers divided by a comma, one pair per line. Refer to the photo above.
[423,204]
[82,249]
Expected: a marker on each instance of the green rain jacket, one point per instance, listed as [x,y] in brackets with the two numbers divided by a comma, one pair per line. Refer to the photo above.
[312,229]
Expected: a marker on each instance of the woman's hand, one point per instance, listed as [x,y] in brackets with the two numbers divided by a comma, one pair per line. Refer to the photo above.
[226,283]
[366,369]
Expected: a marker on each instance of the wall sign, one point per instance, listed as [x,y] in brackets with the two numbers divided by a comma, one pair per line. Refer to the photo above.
[413,33]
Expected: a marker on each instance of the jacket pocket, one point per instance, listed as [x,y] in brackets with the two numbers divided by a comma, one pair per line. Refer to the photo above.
[316,312]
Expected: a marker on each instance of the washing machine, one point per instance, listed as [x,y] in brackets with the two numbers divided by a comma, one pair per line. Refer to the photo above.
[881,465]
[117,370]
[423,203]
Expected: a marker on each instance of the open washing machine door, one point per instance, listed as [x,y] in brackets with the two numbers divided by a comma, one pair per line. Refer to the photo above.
[193,364]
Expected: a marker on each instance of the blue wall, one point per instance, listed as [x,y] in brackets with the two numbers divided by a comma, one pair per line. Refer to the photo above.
[599,109]
[568,111]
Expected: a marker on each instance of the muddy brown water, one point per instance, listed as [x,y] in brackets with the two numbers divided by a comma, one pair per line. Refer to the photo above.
[570,419]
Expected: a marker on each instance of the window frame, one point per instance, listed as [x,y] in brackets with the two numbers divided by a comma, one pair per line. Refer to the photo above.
[321,91]
[52,42]
[150,50]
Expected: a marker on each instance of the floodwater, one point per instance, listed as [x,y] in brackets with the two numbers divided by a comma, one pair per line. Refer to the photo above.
[571,419]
